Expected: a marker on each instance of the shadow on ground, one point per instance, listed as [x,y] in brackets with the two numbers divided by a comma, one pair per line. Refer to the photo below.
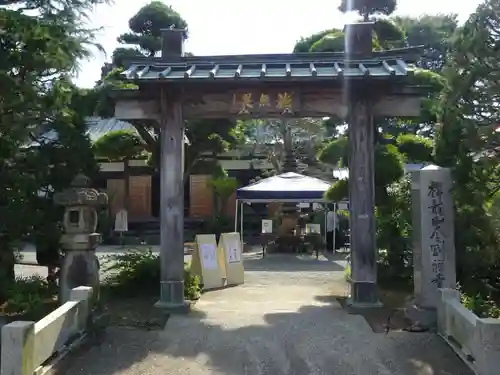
[283,343]
[294,263]
[382,319]
[276,325]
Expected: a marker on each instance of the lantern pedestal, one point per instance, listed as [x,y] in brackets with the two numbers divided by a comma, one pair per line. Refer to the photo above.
[80,266]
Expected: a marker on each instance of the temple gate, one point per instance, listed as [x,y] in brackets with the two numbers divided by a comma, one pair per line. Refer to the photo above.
[357,86]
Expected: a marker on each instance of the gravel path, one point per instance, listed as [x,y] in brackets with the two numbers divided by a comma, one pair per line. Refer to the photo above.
[282,321]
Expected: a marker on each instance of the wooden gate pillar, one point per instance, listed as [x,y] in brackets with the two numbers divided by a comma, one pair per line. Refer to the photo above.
[171,205]
[362,201]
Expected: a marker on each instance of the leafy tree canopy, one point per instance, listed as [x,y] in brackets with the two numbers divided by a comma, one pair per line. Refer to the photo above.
[122,54]
[41,49]
[305,44]
[119,145]
[335,152]
[416,149]
[467,143]
[145,30]
[206,137]
[389,168]
[387,34]
[367,7]
[432,31]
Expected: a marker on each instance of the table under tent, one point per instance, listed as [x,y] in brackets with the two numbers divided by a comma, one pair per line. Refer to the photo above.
[288,187]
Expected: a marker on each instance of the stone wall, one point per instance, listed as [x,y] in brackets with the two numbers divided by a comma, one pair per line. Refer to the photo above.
[476,340]
[26,346]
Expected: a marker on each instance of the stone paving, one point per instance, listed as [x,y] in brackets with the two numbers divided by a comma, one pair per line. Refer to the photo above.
[282,321]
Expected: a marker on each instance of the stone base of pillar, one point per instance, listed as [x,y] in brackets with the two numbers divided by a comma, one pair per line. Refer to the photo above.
[364,295]
[422,317]
[172,298]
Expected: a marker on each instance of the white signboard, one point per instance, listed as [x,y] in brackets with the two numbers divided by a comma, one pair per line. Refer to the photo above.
[230,243]
[267,226]
[233,255]
[121,221]
[208,255]
[313,228]
[343,206]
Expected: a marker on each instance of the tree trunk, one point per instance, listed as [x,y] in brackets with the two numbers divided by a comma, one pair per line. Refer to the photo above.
[366,15]
[275,162]
[7,262]
[311,151]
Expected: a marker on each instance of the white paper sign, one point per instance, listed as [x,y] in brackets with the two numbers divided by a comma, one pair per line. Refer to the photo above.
[267,226]
[208,255]
[233,255]
[121,221]
[313,228]
[343,206]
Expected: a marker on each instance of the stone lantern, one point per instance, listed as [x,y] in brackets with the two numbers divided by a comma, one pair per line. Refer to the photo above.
[80,266]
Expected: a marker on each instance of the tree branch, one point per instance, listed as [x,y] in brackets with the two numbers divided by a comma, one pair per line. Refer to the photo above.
[145,135]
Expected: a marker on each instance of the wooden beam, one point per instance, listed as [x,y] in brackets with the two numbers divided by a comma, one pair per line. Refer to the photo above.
[362,201]
[255,103]
[398,106]
[323,104]
[172,204]
[307,102]
[134,109]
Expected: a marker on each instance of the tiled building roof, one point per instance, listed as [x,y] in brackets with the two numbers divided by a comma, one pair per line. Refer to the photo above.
[96,128]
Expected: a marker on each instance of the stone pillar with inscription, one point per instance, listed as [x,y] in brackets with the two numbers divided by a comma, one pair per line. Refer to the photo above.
[80,266]
[433,242]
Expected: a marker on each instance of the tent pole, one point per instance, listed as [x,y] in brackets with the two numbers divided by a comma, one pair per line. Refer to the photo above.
[335,225]
[241,225]
[325,212]
[236,215]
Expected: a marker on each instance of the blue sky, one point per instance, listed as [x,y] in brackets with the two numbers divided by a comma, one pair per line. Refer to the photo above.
[234,27]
